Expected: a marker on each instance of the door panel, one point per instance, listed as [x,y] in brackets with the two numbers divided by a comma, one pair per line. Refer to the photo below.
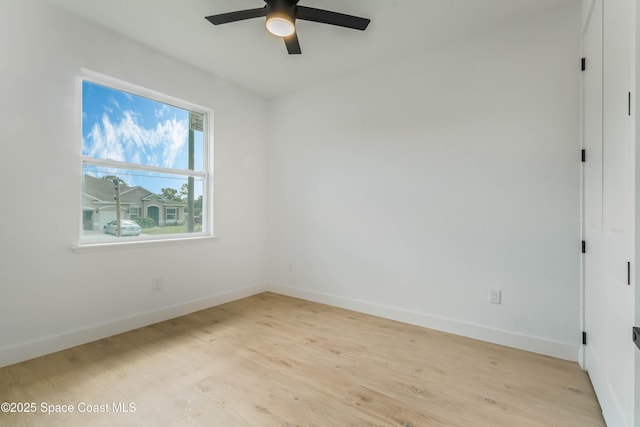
[619,200]
[609,206]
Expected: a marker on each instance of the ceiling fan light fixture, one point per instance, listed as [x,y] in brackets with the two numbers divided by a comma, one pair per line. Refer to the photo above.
[280,25]
[282,15]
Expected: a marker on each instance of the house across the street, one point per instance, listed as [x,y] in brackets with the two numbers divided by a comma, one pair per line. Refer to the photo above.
[99,204]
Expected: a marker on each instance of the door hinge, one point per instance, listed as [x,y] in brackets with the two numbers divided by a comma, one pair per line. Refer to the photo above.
[584,338]
[583,64]
[584,247]
[636,336]
[583,155]
[629,103]
[629,273]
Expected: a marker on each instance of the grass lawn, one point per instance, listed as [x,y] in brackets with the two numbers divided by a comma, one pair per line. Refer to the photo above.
[170,229]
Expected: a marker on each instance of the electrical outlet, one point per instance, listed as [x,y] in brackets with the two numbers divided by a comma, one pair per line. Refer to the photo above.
[157,285]
[495,296]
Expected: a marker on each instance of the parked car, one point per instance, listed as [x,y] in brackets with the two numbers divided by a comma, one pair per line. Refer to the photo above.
[127,228]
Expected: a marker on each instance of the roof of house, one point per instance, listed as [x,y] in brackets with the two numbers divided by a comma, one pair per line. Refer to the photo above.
[101,191]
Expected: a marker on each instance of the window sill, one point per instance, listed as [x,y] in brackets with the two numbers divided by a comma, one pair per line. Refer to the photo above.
[130,244]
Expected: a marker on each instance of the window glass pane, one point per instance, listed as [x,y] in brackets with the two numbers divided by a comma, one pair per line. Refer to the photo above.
[157,203]
[124,127]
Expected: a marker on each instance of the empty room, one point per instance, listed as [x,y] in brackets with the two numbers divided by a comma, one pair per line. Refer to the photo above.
[319,213]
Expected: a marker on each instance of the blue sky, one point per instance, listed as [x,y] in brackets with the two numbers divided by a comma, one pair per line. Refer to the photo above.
[129,128]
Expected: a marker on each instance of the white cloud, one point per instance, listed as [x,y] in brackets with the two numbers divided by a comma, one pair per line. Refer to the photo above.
[113,101]
[174,133]
[160,112]
[127,141]
[103,144]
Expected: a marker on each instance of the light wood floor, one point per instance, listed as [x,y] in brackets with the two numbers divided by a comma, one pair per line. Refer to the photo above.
[271,360]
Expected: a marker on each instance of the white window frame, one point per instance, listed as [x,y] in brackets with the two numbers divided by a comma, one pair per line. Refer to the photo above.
[174,213]
[206,175]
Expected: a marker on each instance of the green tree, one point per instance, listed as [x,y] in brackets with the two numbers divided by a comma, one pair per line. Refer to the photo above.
[184,191]
[197,203]
[170,194]
[197,206]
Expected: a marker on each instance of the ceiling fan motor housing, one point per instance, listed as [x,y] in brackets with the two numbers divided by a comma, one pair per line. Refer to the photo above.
[281,8]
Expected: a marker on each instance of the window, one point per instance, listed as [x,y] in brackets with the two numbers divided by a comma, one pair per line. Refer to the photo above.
[145,164]
[172,214]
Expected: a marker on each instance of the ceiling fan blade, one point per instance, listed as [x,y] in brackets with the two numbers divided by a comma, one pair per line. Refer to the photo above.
[293,45]
[333,18]
[239,15]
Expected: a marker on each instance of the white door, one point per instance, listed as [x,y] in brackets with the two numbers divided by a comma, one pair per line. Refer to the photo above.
[609,207]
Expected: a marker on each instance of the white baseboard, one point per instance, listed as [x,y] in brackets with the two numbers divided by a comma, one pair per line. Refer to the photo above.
[31,349]
[470,330]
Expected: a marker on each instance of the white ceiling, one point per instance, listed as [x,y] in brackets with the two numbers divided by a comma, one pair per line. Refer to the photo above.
[245,54]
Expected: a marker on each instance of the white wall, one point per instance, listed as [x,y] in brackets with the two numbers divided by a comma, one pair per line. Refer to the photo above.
[412,188]
[407,190]
[50,297]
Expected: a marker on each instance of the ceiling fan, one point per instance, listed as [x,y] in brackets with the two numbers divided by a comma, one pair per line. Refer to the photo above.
[281,17]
